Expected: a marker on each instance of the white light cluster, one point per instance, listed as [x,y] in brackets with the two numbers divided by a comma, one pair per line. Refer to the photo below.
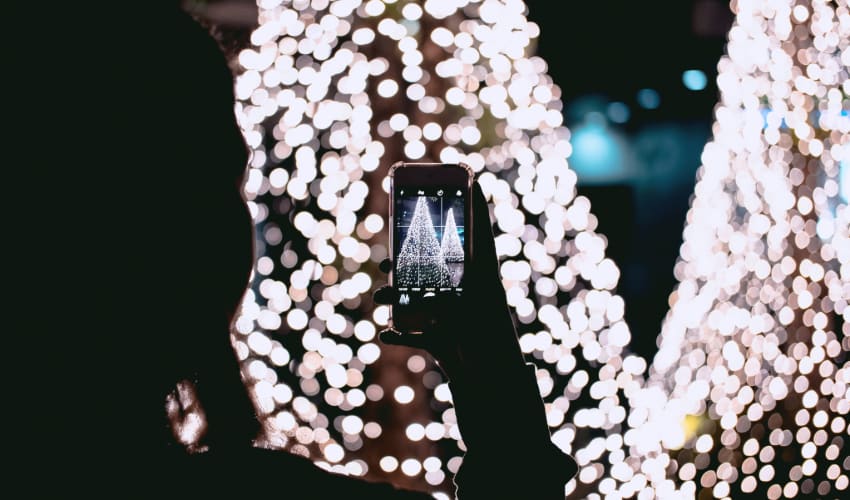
[753,362]
[764,268]
[307,99]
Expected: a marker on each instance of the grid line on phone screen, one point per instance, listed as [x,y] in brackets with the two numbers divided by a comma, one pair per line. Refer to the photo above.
[440,228]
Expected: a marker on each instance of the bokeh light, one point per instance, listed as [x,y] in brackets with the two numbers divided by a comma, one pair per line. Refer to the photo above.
[618,112]
[694,79]
[320,94]
[648,98]
[752,362]
[754,346]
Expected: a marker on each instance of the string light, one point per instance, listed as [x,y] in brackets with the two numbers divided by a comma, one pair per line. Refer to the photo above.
[751,352]
[313,94]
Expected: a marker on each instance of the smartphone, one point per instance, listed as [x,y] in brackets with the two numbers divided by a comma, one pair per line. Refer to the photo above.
[430,239]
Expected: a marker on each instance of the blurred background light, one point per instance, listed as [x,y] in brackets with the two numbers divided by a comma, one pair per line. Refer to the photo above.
[752,364]
[694,79]
[618,112]
[597,151]
[648,98]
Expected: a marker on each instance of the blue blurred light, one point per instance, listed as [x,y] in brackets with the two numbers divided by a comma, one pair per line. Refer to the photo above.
[694,79]
[596,154]
[648,98]
[844,181]
[618,112]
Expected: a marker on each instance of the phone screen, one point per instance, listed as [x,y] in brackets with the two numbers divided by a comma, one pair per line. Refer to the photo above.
[430,237]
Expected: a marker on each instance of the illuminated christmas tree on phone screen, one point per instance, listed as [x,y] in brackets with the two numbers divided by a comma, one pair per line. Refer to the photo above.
[420,262]
[452,249]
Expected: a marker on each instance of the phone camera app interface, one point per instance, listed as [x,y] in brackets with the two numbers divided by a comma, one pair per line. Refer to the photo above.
[429,235]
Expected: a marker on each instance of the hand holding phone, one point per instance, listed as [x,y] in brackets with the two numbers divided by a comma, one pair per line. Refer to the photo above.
[430,239]
[465,327]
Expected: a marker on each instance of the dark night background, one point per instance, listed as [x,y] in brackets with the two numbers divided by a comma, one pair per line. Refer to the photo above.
[637,129]
[638,174]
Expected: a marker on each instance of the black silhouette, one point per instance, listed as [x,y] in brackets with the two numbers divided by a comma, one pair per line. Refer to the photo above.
[133,250]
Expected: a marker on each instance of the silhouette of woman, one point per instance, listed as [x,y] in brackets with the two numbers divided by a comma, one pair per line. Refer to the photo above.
[150,249]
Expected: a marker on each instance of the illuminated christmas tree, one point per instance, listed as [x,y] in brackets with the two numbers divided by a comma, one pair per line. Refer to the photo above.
[752,372]
[748,393]
[420,261]
[331,94]
[451,248]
